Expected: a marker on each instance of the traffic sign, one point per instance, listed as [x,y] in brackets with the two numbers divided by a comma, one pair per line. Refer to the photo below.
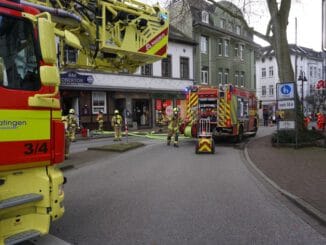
[285,90]
[286,124]
[286,104]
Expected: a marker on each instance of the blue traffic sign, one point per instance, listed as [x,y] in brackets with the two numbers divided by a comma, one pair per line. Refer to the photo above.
[285,91]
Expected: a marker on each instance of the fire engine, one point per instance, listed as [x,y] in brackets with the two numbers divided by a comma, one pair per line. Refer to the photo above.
[111,35]
[231,111]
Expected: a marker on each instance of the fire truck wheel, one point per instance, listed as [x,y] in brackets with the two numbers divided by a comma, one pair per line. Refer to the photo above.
[239,137]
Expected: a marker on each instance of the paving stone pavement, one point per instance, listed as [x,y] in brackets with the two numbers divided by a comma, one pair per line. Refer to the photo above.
[301,172]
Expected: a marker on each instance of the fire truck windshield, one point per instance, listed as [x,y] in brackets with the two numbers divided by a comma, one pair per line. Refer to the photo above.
[18,59]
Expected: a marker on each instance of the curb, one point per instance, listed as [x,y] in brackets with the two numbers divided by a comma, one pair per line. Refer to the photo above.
[321,217]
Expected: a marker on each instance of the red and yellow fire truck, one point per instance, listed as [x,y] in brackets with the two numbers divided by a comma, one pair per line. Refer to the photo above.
[108,35]
[231,111]
[237,112]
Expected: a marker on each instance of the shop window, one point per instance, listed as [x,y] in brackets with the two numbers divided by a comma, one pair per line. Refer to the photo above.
[99,102]
[141,112]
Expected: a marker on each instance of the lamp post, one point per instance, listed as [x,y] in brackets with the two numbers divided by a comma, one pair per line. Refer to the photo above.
[303,79]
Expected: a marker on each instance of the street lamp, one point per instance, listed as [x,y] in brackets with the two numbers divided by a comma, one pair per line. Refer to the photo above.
[303,79]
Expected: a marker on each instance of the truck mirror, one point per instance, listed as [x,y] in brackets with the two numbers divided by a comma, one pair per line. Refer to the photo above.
[49,75]
[47,40]
[72,40]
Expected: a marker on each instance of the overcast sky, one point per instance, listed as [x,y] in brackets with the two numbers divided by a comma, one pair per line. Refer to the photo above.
[307,12]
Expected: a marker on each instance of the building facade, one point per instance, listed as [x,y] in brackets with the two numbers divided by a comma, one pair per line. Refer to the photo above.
[306,63]
[138,97]
[226,51]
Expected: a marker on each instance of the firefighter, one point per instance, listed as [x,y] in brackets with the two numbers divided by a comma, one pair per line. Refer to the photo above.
[72,125]
[100,120]
[173,127]
[67,138]
[321,121]
[116,124]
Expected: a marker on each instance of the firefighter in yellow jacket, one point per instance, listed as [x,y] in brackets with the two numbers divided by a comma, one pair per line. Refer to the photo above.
[173,127]
[67,137]
[72,125]
[100,120]
[116,123]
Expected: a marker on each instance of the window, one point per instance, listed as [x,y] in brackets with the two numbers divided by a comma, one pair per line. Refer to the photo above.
[242,79]
[98,102]
[166,67]
[315,71]
[204,17]
[236,78]
[241,48]
[222,23]
[263,72]
[220,76]
[238,29]
[203,44]
[263,90]
[236,51]
[147,70]
[184,67]
[71,55]
[271,90]
[271,71]
[230,26]
[226,76]
[18,59]
[204,75]
[226,48]
[220,47]
[310,71]
[319,73]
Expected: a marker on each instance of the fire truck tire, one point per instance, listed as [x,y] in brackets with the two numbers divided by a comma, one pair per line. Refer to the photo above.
[239,137]
[255,128]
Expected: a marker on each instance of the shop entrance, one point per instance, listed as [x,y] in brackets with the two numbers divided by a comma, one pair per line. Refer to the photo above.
[141,112]
[69,101]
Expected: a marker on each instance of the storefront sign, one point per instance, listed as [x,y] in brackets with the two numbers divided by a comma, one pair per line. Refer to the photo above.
[72,77]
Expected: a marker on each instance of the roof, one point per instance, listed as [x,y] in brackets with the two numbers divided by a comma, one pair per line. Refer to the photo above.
[177,36]
[294,49]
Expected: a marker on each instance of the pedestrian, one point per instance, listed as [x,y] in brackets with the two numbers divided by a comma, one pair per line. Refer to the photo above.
[100,121]
[67,138]
[321,121]
[173,127]
[116,123]
[72,125]
[265,117]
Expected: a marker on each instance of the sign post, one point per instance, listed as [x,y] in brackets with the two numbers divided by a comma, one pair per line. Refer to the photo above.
[285,97]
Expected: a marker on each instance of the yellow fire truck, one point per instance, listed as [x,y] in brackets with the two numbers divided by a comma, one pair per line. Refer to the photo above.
[109,35]
[231,111]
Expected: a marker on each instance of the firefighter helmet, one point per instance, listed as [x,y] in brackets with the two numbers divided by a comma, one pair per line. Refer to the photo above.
[71,111]
[116,112]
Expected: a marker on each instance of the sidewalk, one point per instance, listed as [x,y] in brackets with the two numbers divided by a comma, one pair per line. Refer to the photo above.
[300,174]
